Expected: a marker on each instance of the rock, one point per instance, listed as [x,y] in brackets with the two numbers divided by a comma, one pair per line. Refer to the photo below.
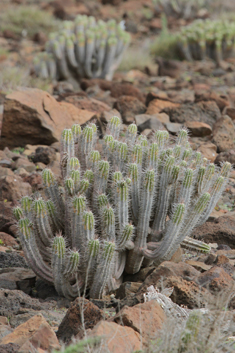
[145,318]
[12,259]
[12,302]
[17,278]
[86,104]
[105,117]
[4,331]
[182,96]
[44,155]
[224,134]
[228,156]
[221,231]
[116,338]
[5,171]
[187,292]
[44,290]
[126,89]
[173,128]
[139,276]
[127,288]
[12,188]
[144,121]
[9,348]
[7,220]
[35,117]
[128,107]
[35,180]
[208,150]
[171,68]
[230,112]
[21,172]
[198,265]
[36,331]
[165,270]
[71,325]
[157,106]
[23,162]
[103,84]
[215,279]
[221,100]
[206,112]
[198,129]
[7,239]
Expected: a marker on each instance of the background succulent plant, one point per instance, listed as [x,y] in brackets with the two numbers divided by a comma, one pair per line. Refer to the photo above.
[130,205]
[213,39]
[83,48]
[187,9]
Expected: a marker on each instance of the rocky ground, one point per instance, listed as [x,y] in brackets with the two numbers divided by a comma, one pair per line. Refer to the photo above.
[166,94]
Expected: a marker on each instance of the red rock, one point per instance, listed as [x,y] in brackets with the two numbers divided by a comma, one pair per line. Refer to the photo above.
[208,150]
[145,318]
[157,106]
[36,331]
[126,89]
[215,279]
[7,239]
[128,107]
[71,324]
[199,129]
[224,134]
[230,112]
[187,292]
[221,231]
[116,338]
[35,117]
[228,156]
[88,104]
[206,112]
[12,188]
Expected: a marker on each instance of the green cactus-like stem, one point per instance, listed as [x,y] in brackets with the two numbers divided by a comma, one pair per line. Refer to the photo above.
[164,195]
[77,232]
[59,259]
[108,223]
[89,225]
[114,127]
[131,134]
[164,249]
[195,245]
[135,259]
[104,270]
[53,192]
[31,251]
[67,143]
[135,189]
[121,202]
[42,221]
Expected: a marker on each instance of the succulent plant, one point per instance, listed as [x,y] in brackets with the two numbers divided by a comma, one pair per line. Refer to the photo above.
[186,9]
[83,48]
[132,204]
[202,39]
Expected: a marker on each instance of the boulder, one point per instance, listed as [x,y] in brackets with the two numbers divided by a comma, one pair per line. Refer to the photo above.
[36,332]
[116,338]
[12,188]
[198,128]
[224,134]
[221,231]
[228,156]
[128,107]
[145,318]
[32,116]
[206,112]
[71,325]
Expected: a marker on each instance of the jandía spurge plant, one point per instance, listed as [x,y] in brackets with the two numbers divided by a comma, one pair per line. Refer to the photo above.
[127,206]
[83,48]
